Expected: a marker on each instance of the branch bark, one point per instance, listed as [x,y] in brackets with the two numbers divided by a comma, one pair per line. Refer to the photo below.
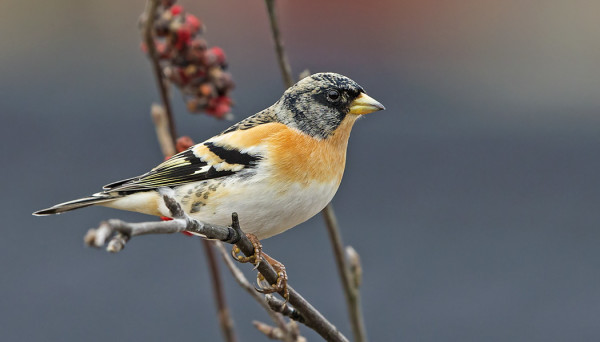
[284,64]
[150,15]
[350,282]
[275,333]
[160,119]
[282,307]
[225,320]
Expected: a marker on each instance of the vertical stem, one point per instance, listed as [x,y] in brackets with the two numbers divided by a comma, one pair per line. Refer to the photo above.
[151,9]
[350,289]
[225,319]
[284,64]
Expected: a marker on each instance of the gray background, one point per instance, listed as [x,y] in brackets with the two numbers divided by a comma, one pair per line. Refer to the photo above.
[473,199]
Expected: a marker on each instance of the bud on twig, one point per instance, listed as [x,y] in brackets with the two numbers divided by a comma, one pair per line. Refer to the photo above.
[355,266]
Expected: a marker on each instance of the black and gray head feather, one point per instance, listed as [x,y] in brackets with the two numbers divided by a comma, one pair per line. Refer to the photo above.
[317,104]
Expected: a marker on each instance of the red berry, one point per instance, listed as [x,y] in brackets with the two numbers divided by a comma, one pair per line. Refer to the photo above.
[183,143]
[176,10]
[193,23]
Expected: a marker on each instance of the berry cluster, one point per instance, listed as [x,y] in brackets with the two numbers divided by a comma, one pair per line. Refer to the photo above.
[188,62]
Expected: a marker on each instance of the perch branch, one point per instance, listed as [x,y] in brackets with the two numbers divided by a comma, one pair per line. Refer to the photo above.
[124,231]
[313,318]
[117,232]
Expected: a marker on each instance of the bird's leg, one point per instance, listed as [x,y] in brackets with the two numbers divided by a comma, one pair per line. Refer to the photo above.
[254,258]
[282,278]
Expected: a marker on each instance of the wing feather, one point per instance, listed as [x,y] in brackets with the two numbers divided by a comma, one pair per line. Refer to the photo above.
[231,152]
[200,162]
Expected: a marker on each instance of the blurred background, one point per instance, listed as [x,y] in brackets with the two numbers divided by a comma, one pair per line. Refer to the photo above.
[473,199]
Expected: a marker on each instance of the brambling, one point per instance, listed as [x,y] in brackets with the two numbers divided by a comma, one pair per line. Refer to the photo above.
[276,169]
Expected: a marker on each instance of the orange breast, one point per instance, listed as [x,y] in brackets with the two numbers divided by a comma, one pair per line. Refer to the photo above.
[302,159]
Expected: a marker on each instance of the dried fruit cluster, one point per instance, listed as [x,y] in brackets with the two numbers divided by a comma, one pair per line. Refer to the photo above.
[188,62]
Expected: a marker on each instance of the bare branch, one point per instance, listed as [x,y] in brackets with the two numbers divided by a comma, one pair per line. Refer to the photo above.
[150,15]
[225,319]
[313,318]
[295,329]
[163,130]
[275,333]
[349,283]
[113,229]
[284,64]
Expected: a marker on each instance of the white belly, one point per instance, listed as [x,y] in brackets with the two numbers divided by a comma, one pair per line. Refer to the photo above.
[263,210]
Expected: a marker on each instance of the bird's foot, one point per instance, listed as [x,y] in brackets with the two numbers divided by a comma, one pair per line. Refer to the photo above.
[254,258]
[280,285]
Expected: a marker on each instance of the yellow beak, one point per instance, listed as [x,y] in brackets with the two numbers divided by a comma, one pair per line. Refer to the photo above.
[364,104]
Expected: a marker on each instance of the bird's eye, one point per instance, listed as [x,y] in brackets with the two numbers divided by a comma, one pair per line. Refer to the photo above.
[333,95]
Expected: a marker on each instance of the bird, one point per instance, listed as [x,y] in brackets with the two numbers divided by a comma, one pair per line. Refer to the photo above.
[276,168]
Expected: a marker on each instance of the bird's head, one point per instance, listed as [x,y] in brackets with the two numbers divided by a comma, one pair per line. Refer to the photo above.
[319,103]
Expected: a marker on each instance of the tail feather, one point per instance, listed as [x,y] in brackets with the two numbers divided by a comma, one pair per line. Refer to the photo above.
[75,204]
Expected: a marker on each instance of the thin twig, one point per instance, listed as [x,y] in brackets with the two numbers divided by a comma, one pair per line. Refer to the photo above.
[275,333]
[351,292]
[123,231]
[225,319]
[246,285]
[349,282]
[150,15]
[284,64]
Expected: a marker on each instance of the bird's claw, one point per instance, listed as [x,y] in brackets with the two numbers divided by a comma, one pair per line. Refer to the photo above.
[280,285]
[255,258]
